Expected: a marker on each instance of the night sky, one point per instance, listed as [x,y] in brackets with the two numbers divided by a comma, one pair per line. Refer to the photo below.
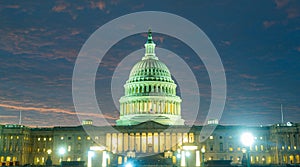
[258,42]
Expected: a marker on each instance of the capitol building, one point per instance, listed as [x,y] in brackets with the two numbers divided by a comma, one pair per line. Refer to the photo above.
[149,131]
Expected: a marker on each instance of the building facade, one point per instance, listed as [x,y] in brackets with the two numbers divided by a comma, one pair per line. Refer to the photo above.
[150,130]
[276,144]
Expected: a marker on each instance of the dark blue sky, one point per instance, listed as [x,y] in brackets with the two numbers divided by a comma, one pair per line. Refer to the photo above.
[258,42]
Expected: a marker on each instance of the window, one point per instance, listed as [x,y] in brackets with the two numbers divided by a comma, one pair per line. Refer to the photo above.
[211,148]
[230,148]
[69,138]
[261,148]
[96,138]
[61,138]
[221,137]
[78,138]
[88,138]
[69,148]
[50,139]
[39,139]
[191,137]
[45,138]
[221,147]
[211,137]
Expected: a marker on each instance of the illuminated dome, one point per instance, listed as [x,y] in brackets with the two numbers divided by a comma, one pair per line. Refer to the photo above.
[150,92]
[150,69]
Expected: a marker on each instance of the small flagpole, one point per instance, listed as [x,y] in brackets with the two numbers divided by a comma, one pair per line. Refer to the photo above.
[281,113]
[20,118]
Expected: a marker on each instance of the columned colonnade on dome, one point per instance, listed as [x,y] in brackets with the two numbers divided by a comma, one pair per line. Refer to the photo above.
[150,107]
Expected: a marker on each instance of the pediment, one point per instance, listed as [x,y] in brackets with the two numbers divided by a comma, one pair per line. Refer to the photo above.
[150,125]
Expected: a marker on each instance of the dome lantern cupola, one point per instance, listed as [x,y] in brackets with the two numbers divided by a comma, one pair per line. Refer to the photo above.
[150,92]
[150,47]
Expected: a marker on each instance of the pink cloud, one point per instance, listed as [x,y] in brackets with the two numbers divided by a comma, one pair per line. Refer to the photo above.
[60,7]
[268,24]
[56,110]
[227,43]
[13,6]
[100,5]
[292,13]
[246,76]
[281,3]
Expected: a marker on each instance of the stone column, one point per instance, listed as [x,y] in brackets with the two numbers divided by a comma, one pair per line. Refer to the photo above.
[198,158]
[182,163]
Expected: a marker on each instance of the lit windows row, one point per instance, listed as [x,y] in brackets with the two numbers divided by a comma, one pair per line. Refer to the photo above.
[44,139]
[11,137]
[231,148]
[288,148]
[230,137]
[80,138]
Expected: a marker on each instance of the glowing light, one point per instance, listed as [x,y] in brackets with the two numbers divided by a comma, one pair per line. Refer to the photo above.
[97,148]
[49,151]
[128,165]
[91,153]
[62,151]
[247,139]
[190,147]
[187,154]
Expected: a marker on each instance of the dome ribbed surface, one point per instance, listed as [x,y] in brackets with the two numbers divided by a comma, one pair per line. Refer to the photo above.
[150,70]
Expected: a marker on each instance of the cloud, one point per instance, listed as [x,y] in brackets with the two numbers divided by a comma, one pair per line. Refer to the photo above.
[281,3]
[292,13]
[7,116]
[100,5]
[56,110]
[12,6]
[227,43]
[247,76]
[268,24]
[60,7]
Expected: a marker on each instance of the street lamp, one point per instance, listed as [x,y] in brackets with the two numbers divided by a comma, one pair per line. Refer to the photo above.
[203,152]
[61,152]
[49,161]
[247,139]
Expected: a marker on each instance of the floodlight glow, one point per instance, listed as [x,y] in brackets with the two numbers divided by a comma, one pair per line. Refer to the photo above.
[129,165]
[247,139]
[97,148]
[187,154]
[178,155]
[91,153]
[62,151]
[203,150]
[190,147]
